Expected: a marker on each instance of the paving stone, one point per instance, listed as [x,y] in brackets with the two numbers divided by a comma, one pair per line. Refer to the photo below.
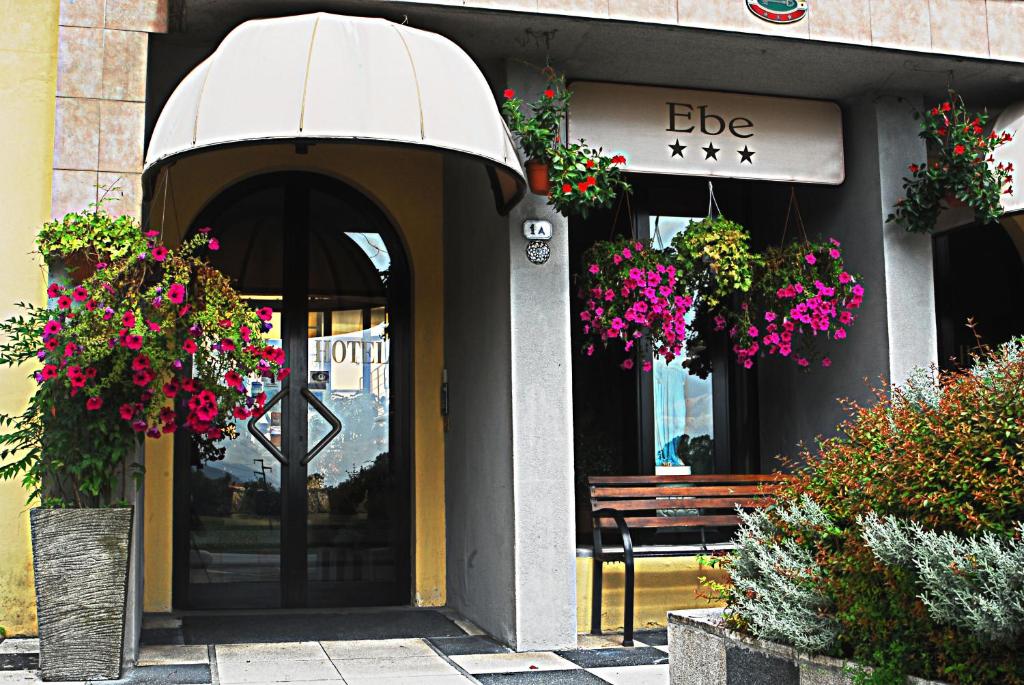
[270,651]
[19,662]
[169,655]
[513,662]
[469,644]
[410,667]
[652,637]
[263,671]
[615,656]
[162,675]
[379,649]
[20,645]
[576,677]
[634,675]
[403,680]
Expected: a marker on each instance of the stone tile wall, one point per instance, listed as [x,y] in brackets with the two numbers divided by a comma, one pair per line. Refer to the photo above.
[972,28]
[101,102]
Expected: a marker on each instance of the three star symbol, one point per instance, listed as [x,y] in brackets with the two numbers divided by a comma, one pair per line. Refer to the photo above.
[677,149]
[711,152]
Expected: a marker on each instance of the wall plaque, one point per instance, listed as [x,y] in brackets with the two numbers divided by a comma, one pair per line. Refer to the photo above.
[710,133]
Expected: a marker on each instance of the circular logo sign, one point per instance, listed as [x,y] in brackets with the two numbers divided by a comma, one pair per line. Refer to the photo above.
[779,11]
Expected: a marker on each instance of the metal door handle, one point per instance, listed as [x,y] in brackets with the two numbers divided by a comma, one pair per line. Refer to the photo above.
[329,416]
[258,434]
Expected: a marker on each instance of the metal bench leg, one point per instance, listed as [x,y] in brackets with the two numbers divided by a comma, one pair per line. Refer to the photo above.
[627,629]
[596,586]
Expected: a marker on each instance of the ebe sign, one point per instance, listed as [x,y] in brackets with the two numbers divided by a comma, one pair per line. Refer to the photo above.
[710,133]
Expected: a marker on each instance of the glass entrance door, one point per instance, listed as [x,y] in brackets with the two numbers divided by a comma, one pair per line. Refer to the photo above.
[309,505]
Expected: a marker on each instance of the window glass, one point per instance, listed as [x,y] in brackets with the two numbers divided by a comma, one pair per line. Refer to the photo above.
[683,407]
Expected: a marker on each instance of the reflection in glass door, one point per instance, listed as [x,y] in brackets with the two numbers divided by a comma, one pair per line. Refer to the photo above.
[309,505]
[683,406]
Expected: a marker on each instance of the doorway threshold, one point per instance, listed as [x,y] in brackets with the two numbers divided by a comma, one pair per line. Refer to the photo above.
[300,625]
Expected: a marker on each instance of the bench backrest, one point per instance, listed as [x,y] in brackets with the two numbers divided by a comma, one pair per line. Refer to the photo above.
[693,501]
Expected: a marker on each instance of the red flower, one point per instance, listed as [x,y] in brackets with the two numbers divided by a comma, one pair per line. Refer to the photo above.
[63,302]
[566,188]
[241,413]
[214,244]
[159,253]
[80,294]
[233,379]
[582,185]
[126,411]
[227,345]
[140,362]
[959,150]
[128,320]
[914,168]
[590,164]
[143,377]
[90,305]
[49,371]
[171,388]
[52,327]
[55,288]
[549,93]
[283,373]
[94,403]
[509,93]
[265,313]
[189,385]
[618,159]
[946,107]
[189,346]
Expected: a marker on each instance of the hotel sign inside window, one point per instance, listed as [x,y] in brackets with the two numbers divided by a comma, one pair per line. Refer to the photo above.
[709,133]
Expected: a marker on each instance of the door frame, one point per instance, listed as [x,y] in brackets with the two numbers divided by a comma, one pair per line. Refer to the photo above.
[294,582]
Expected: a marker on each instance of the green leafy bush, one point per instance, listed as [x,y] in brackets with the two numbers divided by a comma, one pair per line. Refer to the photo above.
[936,591]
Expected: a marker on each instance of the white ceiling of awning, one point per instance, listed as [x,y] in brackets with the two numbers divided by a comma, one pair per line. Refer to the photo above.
[326,77]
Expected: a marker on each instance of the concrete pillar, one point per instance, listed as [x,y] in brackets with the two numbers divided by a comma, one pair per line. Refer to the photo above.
[542,439]
[909,281]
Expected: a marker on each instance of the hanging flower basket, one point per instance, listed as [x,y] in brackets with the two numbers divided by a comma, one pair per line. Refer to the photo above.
[803,295]
[632,293]
[715,259]
[537,177]
[575,177]
[960,170]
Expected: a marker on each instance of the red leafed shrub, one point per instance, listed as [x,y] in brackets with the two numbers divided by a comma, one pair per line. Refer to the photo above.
[952,459]
[946,453]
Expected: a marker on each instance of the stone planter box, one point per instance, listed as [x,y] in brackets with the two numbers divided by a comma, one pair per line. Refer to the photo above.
[703,652]
[80,558]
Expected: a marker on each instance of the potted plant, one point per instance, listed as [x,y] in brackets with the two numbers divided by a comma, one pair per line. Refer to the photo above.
[583,179]
[537,130]
[80,240]
[715,256]
[801,293]
[153,342]
[632,293]
[574,176]
[960,169]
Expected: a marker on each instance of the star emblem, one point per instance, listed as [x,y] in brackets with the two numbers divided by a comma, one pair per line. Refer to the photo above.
[677,149]
[711,152]
[746,155]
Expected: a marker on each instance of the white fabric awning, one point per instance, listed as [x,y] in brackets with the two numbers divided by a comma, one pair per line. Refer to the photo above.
[1011,120]
[326,77]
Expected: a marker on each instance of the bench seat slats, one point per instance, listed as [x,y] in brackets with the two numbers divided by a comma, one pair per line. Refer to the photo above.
[694,478]
[688,521]
[675,491]
[682,503]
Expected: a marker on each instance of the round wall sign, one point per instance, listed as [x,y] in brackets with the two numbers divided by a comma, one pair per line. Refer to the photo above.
[779,11]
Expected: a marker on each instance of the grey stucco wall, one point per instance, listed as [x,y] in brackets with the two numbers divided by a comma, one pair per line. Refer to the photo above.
[478,446]
[895,328]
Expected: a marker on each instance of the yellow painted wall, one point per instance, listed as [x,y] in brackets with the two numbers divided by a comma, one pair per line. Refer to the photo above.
[662,585]
[407,185]
[28,82]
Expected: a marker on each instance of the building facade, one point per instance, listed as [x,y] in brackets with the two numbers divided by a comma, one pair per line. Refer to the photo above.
[328,143]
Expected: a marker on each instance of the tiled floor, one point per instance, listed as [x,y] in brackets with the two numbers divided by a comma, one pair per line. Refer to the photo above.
[444,660]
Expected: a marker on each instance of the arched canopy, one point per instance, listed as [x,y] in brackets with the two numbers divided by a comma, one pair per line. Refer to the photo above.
[330,78]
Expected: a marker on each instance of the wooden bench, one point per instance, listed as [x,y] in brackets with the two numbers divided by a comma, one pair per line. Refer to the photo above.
[683,503]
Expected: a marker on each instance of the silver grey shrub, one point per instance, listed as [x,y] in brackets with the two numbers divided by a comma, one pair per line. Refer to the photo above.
[777,583]
[975,583]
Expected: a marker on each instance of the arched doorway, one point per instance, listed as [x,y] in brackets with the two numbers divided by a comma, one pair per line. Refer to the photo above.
[310,504]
